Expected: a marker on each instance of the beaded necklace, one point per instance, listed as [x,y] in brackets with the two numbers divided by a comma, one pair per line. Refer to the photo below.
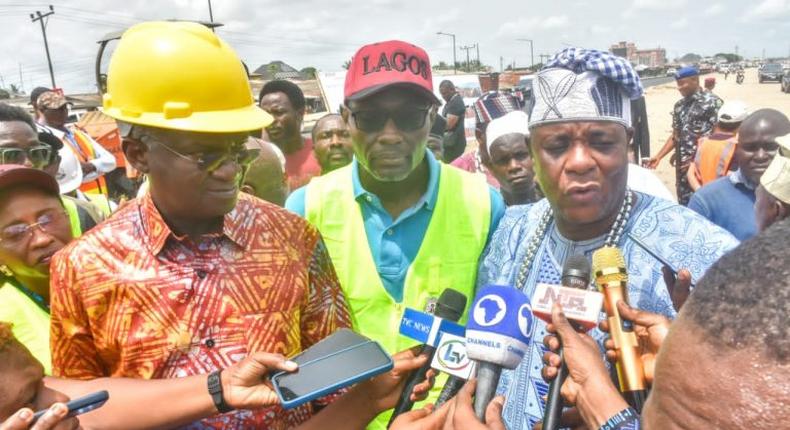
[612,238]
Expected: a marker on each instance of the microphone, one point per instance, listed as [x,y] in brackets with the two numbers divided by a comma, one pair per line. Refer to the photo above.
[450,306]
[575,274]
[497,336]
[612,280]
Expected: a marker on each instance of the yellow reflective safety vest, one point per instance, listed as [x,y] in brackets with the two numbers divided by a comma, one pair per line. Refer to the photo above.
[30,322]
[447,258]
[74,216]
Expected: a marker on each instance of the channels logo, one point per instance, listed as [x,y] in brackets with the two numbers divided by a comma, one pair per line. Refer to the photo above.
[489,310]
[525,319]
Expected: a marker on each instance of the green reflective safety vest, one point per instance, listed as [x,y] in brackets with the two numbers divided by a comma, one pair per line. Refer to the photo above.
[447,258]
[30,323]
[74,217]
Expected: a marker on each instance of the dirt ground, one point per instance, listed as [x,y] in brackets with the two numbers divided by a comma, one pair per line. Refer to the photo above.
[661,98]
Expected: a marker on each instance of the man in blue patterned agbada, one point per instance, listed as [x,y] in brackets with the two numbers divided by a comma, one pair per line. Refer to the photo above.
[580,129]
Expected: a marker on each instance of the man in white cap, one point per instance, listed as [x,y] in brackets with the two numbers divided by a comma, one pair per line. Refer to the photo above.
[507,144]
[579,133]
[729,201]
[773,194]
[715,152]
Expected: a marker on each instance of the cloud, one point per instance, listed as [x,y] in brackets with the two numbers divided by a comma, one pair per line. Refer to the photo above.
[652,6]
[552,22]
[715,10]
[770,10]
[658,5]
[519,26]
[680,24]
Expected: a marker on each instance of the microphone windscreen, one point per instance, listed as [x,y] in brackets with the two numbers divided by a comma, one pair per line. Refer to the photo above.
[451,305]
[576,272]
[499,327]
[609,265]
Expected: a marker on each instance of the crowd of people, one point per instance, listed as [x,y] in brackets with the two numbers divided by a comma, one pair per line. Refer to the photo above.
[249,241]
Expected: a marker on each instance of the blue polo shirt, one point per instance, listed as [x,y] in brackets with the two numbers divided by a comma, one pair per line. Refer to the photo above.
[729,203]
[394,243]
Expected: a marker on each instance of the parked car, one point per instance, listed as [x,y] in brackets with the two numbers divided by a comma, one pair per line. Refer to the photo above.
[770,72]
[786,81]
[671,72]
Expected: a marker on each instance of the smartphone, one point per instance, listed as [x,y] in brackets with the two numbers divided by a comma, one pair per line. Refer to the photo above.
[339,340]
[324,375]
[80,406]
[658,258]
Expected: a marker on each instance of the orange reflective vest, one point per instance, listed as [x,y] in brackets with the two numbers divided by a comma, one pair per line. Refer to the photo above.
[83,147]
[714,156]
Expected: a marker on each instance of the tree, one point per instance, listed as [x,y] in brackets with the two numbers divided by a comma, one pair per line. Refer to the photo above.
[14,89]
[730,58]
[690,58]
[309,72]
[347,63]
[4,94]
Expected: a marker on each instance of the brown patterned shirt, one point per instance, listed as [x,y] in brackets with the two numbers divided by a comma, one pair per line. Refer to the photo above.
[132,299]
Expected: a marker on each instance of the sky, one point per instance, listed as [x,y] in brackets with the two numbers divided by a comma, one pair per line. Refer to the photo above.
[324,34]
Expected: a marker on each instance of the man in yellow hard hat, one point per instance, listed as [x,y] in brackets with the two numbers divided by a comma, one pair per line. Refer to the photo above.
[192,276]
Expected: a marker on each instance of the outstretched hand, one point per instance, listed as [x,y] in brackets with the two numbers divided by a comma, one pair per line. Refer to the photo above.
[245,384]
[588,385]
[650,330]
[53,419]
[385,389]
[679,286]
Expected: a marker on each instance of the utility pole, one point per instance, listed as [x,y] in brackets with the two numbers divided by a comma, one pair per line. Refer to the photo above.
[40,18]
[531,52]
[210,15]
[21,82]
[467,48]
[478,55]
[501,64]
[455,68]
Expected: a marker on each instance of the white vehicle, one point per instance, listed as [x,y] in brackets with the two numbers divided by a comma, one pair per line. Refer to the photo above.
[671,71]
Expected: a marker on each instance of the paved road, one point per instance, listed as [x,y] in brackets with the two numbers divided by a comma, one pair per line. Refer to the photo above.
[658,80]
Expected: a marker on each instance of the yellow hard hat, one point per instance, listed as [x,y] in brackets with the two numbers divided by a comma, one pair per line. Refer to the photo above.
[180,76]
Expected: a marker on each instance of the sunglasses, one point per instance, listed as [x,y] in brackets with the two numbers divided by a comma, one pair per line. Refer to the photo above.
[211,161]
[405,119]
[39,155]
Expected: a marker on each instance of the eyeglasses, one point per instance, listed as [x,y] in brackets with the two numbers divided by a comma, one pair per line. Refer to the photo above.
[769,147]
[16,235]
[39,155]
[211,161]
[405,119]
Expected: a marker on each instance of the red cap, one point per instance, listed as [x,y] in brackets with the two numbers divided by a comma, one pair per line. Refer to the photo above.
[710,79]
[379,65]
[17,174]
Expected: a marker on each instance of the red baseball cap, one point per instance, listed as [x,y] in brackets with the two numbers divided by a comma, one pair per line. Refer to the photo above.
[380,65]
[17,174]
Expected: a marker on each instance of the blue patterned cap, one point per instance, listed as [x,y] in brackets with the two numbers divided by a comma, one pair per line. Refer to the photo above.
[584,85]
[494,104]
[604,63]
[685,72]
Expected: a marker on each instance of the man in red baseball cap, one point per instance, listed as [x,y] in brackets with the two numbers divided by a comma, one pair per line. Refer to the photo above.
[400,226]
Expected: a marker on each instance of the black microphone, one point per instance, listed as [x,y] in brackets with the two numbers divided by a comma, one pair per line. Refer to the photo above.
[450,307]
[575,274]
[450,389]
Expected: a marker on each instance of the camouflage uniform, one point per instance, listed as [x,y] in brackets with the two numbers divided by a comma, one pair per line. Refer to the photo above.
[692,118]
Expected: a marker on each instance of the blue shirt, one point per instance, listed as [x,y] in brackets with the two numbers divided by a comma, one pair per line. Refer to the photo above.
[394,243]
[729,203]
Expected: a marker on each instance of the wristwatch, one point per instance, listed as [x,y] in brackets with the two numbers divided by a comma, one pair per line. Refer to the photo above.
[215,390]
